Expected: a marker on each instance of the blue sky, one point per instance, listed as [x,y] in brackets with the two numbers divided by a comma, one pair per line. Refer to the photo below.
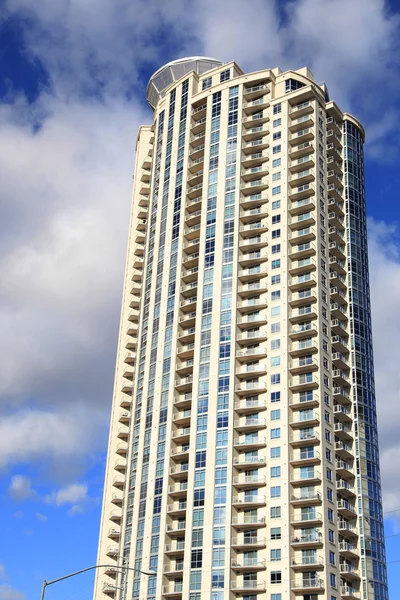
[72,89]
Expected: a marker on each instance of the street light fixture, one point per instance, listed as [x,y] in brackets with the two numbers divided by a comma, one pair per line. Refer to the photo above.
[116,567]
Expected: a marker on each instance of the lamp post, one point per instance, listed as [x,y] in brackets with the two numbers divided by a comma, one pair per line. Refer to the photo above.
[116,567]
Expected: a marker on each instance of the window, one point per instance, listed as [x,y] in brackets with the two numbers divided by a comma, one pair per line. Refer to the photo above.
[331,557]
[197,559]
[275,512]
[275,491]
[275,379]
[275,311]
[329,494]
[276,577]
[276,204]
[275,396]
[276,219]
[275,433]
[276,149]
[195,581]
[276,176]
[275,279]
[276,163]
[275,452]
[276,263]
[207,82]
[275,533]
[277,135]
[276,248]
[276,122]
[275,554]
[292,84]
[275,361]
[276,233]
[276,596]
[218,559]
[276,190]
[276,295]
[331,536]
[275,344]
[275,471]
[277,108]
[198,517]
[330,515]
[275,414]
[225,75]
[200,459]
[332,579]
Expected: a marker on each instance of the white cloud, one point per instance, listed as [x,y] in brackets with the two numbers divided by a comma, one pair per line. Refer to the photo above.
[75,493]
[41,517]
[384,253]
[7,592]
[20,488]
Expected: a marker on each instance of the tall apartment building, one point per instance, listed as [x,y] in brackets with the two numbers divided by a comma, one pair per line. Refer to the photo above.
[243,454]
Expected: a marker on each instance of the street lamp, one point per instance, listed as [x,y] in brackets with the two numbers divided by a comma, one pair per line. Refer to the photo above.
[116,567]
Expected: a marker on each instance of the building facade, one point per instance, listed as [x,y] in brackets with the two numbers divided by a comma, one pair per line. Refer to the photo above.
[243,454]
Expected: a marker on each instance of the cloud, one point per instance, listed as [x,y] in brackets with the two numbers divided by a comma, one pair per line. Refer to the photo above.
[384,254]
[7,592]
[72,494]
[20,488]
[18,514]
[41,517]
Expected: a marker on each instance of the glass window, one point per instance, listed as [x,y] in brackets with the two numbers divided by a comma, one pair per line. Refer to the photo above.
[276,162]
[207,82]
[275,311]
[275,471]
[276,577]
[275,361]
[276,190]
[275,491]
[225,75]
[277,135]
[275,533]
[276,248]
[275,452]
[276,204]
[275,396]
[276,149]
[275,414]
[277,108]
[275,554]
[275,433]
[276,122]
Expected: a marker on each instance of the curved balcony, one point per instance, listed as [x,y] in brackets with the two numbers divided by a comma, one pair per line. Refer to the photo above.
[184,384]
[252,337]
[307,585]
[253,243]
[251,354]
[308,563]
[305,457]
[306,381]
[253,320]
[250,442]
[298,438]
[304,400]
[248,542]
[348,550]
[252,387]
[253,369]
[248,502]
[247,521]
[247,564]
[312,477]
[248,462]
[301,498]
[300,365]
[247,405]
[250,424]
[310,540]
[249,481]
[245,586]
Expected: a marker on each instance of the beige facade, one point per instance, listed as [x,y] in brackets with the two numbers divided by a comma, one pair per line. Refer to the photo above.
[235,468]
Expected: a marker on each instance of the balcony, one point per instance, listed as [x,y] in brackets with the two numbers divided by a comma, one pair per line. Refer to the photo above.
[250,405]
[299,438]
[251,214]
[253,243]
[176,527]
[255,172]
[252,501]
[348,550]
[248,520]
[247,564]
[305,134]
[301,383]
[122,449]
[303,330]
[305,498]
[249,481]
[252,160]
[196,165]
[346,528]
[308,584]
[252,272]
[123,432]
[247,370]
[173,569]
[248,462]
[344,450]
[120,465]
[308,562]
[299,298]
[253,387]
[250,442]
[192,245]
[301,149]
[257,105]
[303,347]
[343,431]
[300,365]
[254,200]
[345,488]
[179,472]
[196,151]
[342,413]
[112,551]
[249,289]
[250,259]
[117,498]
[304,458]
[250,424]
[310,519]
[349,593]
[346,509]
[311,477]
[176,548]
[173,591]
[256,145]
[302,266]
[257,132]
[244,541]
[177,509]
[255,90]
[198,112]
[250,337]
[304,400]
[301,191]
[251,304]
[181,435]
[252,353]
[311,540]
[245,586]
[251,321]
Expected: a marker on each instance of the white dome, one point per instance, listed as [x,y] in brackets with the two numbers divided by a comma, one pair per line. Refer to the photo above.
[173,71]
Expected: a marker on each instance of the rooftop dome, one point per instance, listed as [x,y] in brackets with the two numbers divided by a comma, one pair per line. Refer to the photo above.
[173,71]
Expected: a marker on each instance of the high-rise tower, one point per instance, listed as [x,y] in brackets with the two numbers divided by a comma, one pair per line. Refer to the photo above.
[243,455]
